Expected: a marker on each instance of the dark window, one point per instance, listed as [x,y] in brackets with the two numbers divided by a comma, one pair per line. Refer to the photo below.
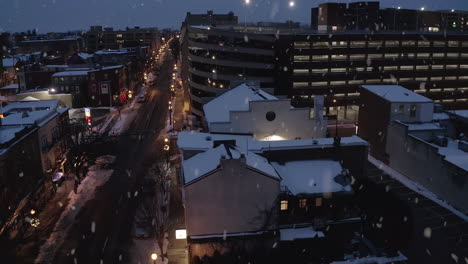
[413,111]
[270,116]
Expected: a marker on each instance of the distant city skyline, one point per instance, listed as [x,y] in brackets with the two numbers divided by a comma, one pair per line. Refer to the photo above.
[64,15]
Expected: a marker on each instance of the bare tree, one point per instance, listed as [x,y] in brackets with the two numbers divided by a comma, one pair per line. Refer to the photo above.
[160,171]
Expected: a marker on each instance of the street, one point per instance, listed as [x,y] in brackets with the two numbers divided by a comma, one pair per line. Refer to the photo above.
[101,232]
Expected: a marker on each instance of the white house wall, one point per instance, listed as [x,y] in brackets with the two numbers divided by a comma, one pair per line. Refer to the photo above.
[289,123]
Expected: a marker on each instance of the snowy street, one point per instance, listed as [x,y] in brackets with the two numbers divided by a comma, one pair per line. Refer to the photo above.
[101,232]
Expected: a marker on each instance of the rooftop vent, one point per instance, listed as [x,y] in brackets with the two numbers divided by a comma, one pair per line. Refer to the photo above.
[208,138]
[25,114]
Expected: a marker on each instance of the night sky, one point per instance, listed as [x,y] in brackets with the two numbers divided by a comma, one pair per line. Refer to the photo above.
[63,15]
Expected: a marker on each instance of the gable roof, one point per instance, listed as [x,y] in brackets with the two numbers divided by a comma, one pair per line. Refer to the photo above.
[236,99]
[208,161]
[311,176]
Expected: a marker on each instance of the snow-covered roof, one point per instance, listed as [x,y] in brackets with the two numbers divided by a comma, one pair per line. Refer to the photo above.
[440,116]
[47,40]
[108,68]
[425,126]
[10,86]
[70,73]
[112,52]
[38,118]
[462,113]
[7,133]
[204,141]
[208,161]
[291,234]
[396,93]
[55,66]
[20,106]
[85,56]
[311,176]
[236,99]
[454,155]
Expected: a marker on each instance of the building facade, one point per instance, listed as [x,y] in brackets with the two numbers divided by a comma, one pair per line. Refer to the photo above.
[98,38]
[301,64]
[368,16]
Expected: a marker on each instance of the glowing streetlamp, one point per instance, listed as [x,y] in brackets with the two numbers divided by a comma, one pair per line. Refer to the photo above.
[292,3]
[154,256]
[32,212]
[422,8]
[247,2]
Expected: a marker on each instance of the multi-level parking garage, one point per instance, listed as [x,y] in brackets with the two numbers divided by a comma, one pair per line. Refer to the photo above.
[301,64]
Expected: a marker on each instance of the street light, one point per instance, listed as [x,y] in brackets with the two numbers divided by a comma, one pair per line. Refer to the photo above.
[291,3]
[154,256]
[32,212]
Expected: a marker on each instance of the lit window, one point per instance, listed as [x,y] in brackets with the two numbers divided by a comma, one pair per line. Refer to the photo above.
[391,68]
[438,55]
[338,69]
[321,44]
[438,43]
[422,67]
[301,45]
[318,201]
[406,68]
[300,71]
[338,57]
[337,83]
[302,203]
[356,56]
[424,43]
[320,70]
[355,82]
[392,43]
[374,56]
[319,57]
[358,44]
[319,83]
[374,44]
[437,67]
[301,58]
[342,44]
[284,205]
[408,43]
[423,55]
[300,84]
[391,55]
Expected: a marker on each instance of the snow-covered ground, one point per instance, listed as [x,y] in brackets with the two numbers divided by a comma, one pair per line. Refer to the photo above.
[86,190]
[415,187]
